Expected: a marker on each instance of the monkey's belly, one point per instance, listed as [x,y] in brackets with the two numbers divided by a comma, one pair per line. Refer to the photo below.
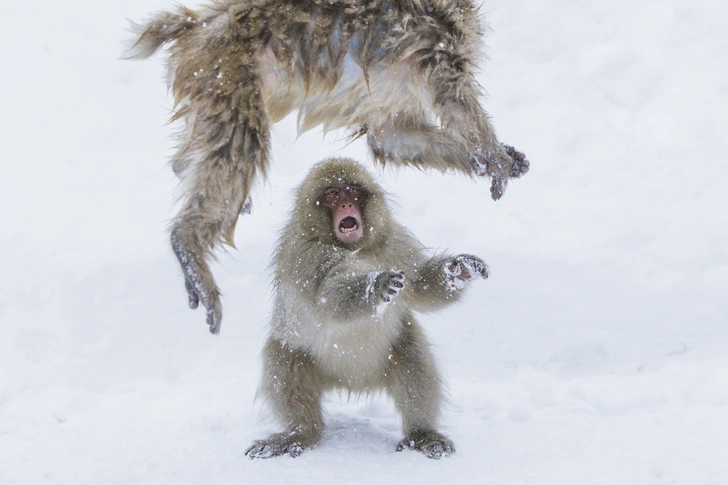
[357,365]
[353,354]
[350,102]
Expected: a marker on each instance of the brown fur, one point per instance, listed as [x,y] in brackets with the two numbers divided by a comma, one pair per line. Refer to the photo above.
[399,71]
[344,317]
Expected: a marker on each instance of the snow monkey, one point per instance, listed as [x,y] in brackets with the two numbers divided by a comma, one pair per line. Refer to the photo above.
[348,279]
[399,72]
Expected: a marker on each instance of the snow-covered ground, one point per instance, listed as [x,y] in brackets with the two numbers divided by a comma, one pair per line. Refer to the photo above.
[595,353]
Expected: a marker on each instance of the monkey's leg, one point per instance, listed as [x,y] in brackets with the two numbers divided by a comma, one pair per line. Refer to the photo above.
[293,386]
[406,140]
[456,99]
[229,149]
[416,387]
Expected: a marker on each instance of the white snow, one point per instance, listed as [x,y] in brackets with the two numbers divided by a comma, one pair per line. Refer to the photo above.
[594,354]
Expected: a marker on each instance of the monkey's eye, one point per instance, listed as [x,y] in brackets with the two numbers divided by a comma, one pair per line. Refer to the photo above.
[354,190]
[331,195]
[334,194]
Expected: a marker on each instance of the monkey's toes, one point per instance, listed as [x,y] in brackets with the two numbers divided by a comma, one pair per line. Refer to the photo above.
[497,187]
[263,449]
[436,448]
[520,168]
[520,164]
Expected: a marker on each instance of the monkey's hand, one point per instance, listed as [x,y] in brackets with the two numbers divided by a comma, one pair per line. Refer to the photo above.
[386,285]
[198,287]
[464,268]
[211,301]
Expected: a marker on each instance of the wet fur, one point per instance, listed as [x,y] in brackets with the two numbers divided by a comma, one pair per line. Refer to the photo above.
[333,328]
[400,72]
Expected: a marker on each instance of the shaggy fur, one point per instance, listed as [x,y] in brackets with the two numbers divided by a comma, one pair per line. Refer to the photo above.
[344,317]
[398,71]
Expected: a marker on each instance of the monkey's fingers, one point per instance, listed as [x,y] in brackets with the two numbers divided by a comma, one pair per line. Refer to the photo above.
[198,288]
[193,297]
[397,279]
[212,304]
[213,321]
[466,266]
[392,284]
[483,271]
[214,316]
[478,267]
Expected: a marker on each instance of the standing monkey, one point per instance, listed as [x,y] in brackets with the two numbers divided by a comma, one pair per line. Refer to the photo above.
[347,280]
[400,72]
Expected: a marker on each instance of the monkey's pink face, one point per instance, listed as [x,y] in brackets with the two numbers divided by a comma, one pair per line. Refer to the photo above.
[345,201]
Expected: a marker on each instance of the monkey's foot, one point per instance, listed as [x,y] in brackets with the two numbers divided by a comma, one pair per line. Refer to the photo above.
[270,448]
[498,179]
[520,165]
[497,186]
[430,443]
[498,172]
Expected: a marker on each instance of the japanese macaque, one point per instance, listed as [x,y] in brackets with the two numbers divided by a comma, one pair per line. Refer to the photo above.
[400,72]
[348,279]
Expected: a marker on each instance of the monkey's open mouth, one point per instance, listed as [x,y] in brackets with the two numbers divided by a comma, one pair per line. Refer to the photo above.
[348,224]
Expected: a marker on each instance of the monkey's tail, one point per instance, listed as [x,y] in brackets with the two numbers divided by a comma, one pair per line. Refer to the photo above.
[160,29]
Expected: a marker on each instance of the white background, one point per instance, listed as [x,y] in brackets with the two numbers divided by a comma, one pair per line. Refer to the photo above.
[595,353]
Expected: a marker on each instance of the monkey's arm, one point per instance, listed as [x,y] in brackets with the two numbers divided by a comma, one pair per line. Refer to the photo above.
[441,280]
[345,293]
